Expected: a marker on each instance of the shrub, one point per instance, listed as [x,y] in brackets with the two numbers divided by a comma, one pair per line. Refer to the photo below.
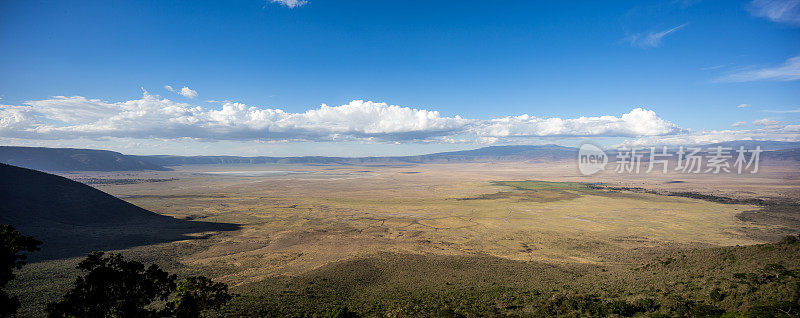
[12,244]
[115,287]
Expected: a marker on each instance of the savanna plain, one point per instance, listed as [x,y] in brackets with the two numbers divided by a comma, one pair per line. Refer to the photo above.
[466,239]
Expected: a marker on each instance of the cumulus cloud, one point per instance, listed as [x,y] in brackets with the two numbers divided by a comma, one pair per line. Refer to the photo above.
[652,39]
[742,105]
[14,118]
[739,123]
[75,109]
[290,3]
[789,71]
[781,11]
[188,93]
[638,122]
[151,116]
[155,117]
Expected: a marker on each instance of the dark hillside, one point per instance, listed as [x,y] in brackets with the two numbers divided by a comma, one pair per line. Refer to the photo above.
[72,218]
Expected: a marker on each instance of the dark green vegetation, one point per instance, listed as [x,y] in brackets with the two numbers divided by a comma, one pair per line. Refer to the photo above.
[536,191]
[13,246]
[74,219]
[115,287]
[691,195]
[68,159]
[533,185]
[752,281]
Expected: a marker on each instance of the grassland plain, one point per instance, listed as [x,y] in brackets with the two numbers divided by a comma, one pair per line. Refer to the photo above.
[300,221]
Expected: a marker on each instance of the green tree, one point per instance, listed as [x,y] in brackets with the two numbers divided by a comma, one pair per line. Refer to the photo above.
[115,287]
[195,293]
[12,244]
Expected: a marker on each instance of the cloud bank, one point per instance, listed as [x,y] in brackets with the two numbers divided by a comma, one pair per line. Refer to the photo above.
[638,122]
[152,116]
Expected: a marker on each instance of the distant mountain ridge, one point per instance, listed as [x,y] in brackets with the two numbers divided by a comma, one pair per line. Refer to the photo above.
[780,150]
[67,159]
[72,218]
[71,159]
[494,153]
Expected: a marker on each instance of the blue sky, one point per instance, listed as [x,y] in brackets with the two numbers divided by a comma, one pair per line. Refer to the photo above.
[689,63]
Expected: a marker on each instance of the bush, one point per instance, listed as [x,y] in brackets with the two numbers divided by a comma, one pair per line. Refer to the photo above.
[195,293]
[12,243]
[115,287]
[790,239]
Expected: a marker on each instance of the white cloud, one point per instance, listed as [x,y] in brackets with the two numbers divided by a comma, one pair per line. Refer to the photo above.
[188,93]
[185,91]
[651,39]
[290,3]
[742,105]
[781,11]
[789,71]
[739,123]
[765,122]
[154,117]
[638,122]
[75,109]
[16,118]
